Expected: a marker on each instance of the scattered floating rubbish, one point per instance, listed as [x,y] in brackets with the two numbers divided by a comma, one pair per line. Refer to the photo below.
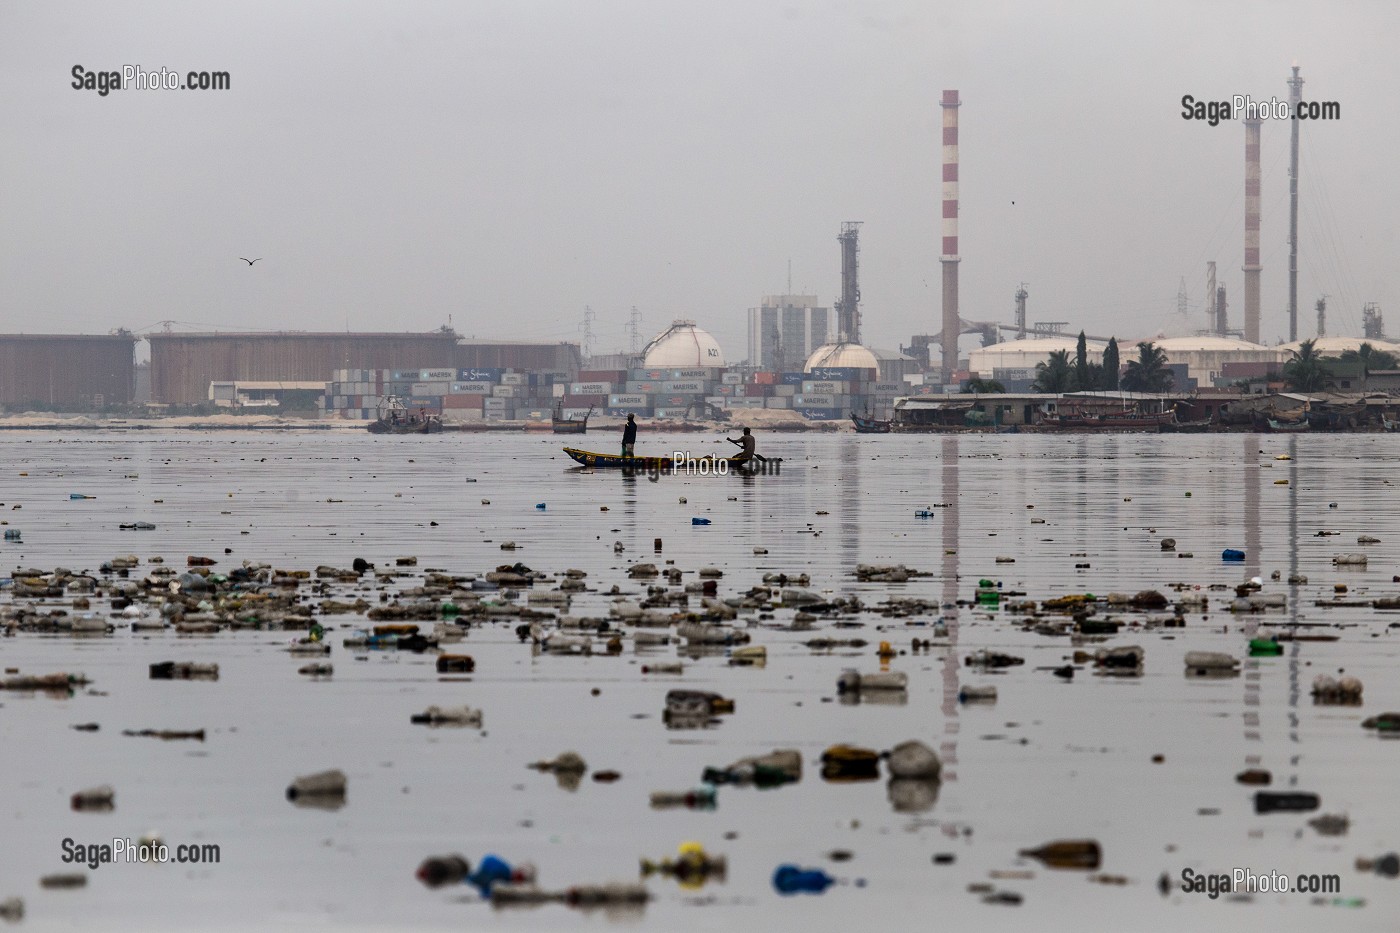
[78,495]
[1231,554]
[137,526]
[1349,560]
[699,521]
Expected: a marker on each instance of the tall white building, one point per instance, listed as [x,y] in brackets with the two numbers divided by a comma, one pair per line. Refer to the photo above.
[785,329]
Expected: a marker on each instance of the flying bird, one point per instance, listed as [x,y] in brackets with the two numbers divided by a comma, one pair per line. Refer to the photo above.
[250,261]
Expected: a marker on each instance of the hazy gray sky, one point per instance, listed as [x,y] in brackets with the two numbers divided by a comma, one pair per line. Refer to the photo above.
[508,163]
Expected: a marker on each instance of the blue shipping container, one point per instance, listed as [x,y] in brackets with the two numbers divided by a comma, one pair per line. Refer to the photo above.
[821,414]
[792,379]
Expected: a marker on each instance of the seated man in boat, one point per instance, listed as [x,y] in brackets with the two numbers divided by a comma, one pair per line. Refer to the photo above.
[748,442]
[629,437]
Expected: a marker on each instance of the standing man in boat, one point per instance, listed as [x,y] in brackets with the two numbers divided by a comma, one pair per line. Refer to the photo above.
[629,437]
[748,442]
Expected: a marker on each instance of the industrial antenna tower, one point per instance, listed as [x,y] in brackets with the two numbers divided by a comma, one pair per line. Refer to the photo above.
[1322,316]
[1181,298]
[1210,293]
[848,305]
[1372,324]
[1021,296]
[588,317]
[634,324]
[1222,308]
[1295,95]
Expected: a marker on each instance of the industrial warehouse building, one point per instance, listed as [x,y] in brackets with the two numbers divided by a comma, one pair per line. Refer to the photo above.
[184,365]
[66,372]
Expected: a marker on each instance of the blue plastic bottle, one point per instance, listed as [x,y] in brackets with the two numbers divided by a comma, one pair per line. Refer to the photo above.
[789,879]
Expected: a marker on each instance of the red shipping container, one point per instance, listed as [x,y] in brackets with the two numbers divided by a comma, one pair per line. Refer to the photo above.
[755,390]
[602,375]
[470,402]
[765,379]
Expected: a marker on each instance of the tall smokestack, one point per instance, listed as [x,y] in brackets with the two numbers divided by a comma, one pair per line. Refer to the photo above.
[1251,230]
[951,322]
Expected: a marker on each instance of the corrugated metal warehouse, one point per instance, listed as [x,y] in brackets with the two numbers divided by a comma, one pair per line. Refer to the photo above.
[66,371]
[535,357]
[183,365]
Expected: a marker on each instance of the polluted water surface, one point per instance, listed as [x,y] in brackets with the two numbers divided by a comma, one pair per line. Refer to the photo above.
[1005,682]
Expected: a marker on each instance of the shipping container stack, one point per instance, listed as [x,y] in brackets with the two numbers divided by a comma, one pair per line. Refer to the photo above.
[455,394]
[506,395]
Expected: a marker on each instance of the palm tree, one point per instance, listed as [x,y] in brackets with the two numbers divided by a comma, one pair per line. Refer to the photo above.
[1306,372]
[1055,375]
[977,385]
[1148,373]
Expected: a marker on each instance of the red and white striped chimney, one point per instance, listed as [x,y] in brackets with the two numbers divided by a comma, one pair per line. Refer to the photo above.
[1251,230]
[951,322]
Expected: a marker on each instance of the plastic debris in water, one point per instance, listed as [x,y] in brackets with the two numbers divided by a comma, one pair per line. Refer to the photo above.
[790,879]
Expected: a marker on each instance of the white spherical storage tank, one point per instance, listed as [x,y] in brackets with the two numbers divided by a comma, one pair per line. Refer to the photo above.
[683,346]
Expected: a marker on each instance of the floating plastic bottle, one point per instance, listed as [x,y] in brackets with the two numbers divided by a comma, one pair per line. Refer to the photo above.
[1067,853]
[986,694]
[850,763]
[94,798]
[702,798]
[692,866]
[1264,648]
[494,870]
[1230,554]
[443,869]
[323,784]
[699,521]
[1276,802]
[790,879]
[1387,866]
